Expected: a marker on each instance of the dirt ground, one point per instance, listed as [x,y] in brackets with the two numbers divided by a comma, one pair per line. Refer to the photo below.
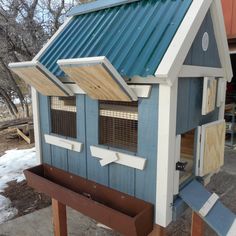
[23,198]
[7,141]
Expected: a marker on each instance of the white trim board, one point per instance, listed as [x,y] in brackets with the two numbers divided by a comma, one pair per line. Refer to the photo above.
[36,119]
[142,91]
[200,71]
[173,59]
[166,155]
[63,143]
[123,159]
[221,38]
[51,40]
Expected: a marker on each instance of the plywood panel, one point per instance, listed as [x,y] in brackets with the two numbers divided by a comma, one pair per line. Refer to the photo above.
[37,76]
[98,78]
[213,138]
[209,95]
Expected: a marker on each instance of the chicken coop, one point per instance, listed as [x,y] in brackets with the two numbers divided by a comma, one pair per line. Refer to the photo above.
[129,101]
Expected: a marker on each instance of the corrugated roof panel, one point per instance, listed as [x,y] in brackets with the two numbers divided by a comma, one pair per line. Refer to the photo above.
[134,37]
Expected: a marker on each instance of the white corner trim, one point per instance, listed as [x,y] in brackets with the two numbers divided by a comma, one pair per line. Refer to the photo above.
[141,91]
[173,60]
[166,155]
[123,159]
[200,71]
[198,152]
[222,88]
[221,38]
[232,229]
[63,143]
[36,120]
[221,92]
[177,159]
[208,205]
[61,28]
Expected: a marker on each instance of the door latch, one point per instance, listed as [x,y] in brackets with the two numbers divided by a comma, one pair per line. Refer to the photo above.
[181,166]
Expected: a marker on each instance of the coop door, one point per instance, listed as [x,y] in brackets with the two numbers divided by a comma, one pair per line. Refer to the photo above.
[210,152]
[39,77]
[98,78]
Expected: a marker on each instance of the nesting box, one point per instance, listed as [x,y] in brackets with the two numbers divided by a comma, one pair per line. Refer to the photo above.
[129,111]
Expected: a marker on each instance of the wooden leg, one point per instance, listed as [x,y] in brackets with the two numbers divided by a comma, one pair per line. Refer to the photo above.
[197,225]
[59,218]
[157,231]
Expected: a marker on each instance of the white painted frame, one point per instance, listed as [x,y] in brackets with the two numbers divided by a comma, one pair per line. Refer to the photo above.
[63,143]
[141,91]
[36,120]
[166,156]
[99,60]
[173,60]
[118,158]
[221,38]
[200,71]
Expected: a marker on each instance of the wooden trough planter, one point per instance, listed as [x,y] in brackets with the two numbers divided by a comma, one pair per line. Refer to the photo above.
[119,211]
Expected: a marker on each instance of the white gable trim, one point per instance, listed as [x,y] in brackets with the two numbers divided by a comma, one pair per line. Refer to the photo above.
[173,60]
[221,38]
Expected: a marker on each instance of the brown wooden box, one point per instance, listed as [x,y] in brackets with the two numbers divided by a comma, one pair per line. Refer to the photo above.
[119,211]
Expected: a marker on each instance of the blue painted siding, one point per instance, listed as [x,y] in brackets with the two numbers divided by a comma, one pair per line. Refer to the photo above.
[189,105]
[134,36]
[45,128]
[190,90]
[145,181]
[77,162]
[196,55]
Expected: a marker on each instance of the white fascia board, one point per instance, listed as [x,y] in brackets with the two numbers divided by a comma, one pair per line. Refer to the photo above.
[51,40]
[200,71]
[175,55]
[36,120]
[221,38]
[166,155]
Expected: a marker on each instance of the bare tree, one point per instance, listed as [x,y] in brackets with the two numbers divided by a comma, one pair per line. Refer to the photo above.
[25,25]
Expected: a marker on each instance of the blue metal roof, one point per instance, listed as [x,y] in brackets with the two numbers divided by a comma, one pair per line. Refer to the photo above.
[134,36]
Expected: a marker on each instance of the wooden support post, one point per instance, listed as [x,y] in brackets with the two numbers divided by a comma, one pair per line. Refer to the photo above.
[157,231]
[197,225]
[59,218]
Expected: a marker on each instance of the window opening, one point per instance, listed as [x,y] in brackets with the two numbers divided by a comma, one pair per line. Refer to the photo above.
[118,124]
[63,116]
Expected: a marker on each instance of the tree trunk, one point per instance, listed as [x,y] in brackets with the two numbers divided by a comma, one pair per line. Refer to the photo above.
[10,105]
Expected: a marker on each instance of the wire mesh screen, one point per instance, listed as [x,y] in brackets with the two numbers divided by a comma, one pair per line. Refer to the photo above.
[119,124]
[63,116]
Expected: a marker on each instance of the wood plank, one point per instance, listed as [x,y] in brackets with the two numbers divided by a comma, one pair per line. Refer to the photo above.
[59,218]
[197,228]
[209,95]
[22,135]
[37,76]
[213,139]
[98,78]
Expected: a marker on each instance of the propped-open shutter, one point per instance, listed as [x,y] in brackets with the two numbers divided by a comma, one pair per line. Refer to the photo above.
[98,78]
[209,207]
[210,147]
[39,77]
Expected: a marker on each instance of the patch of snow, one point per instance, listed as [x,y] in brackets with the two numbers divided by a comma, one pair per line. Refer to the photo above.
[12,164]
[6,211]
